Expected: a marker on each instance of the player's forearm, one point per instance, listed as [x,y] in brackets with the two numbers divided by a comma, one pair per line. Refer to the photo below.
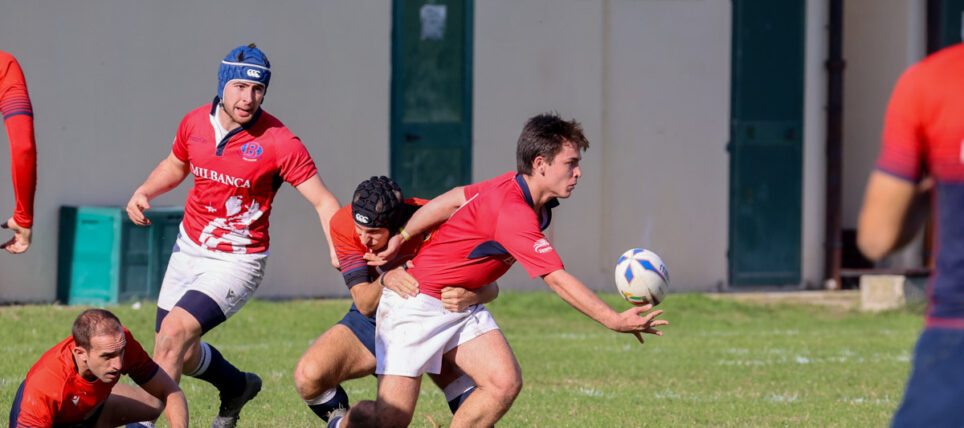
[580,297]
[366,296]
[487,293]
[23,157]
[436,211]
[175,410]
[165,177]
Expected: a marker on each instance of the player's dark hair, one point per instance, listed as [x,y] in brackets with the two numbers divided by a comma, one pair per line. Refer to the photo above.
[378,202]
[94,322]
[545,135]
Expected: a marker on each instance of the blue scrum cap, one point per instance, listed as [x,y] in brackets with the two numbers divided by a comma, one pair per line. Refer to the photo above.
[245,63]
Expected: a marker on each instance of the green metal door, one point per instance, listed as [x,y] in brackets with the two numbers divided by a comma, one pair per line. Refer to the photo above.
[766,140]
[951,30]
[431,134]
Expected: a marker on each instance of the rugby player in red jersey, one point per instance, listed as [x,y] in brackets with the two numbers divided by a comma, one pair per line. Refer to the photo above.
[495,223]
[74,384]
[17,115]
[347,350]
[239,156]
[921,170]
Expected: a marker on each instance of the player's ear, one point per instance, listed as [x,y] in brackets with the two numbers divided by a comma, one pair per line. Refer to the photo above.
[80,353]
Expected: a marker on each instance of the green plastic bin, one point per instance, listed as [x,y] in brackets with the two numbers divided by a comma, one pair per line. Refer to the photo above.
[104,258]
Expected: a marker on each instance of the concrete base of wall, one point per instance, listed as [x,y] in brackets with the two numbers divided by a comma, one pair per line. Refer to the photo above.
[882,292]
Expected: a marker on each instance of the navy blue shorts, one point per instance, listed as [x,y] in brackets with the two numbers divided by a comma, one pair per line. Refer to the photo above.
[933,394]
[362,326]
[90,422]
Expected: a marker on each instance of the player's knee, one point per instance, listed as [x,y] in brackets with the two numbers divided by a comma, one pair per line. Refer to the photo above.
[506,386]
[174,339]
[308,380]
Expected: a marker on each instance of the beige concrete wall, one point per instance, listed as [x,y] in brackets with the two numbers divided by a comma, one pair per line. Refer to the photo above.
[882,38]
[649,80]
[111,81]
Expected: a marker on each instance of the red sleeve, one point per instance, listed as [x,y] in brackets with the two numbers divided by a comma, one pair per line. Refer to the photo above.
[37,406]
[902,151]
[179,147]
[348,249]
[17,112]
[517,229]
[296,164]
[137,364]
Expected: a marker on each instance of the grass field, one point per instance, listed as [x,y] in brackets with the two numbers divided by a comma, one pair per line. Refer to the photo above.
[720,363]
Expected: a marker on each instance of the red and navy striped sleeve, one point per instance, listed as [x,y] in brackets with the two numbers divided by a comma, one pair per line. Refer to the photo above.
[17,112]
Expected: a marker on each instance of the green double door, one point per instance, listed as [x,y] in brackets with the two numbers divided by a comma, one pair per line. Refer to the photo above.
[431,101]
[766,142]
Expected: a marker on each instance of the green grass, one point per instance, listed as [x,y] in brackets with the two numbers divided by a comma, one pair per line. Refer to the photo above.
[720,363]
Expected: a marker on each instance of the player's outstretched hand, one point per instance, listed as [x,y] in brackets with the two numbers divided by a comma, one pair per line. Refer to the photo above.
[136,207]
[633,321]
[401,282]
[21,237]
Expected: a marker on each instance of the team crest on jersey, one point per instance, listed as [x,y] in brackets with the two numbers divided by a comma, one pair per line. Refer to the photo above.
[75,399]
[251,151]
[542,246]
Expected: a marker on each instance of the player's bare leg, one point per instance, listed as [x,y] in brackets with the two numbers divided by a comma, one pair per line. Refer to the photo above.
[489,361]
[337,355]
[127,404]
[397,396]
[179,337]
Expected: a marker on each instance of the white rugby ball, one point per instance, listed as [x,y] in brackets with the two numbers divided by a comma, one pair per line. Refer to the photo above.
[642,277]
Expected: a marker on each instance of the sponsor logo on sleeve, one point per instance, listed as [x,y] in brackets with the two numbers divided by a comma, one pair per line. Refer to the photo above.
[542,246]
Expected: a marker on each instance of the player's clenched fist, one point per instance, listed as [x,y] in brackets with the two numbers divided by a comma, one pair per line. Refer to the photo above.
[136,207]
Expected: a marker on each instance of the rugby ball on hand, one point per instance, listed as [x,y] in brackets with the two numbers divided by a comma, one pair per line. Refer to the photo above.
[642,277]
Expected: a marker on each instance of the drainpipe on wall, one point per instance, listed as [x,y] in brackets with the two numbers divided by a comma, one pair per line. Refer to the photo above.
[835,67]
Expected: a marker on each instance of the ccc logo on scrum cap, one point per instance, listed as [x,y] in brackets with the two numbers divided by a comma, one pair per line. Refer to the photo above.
[254,73]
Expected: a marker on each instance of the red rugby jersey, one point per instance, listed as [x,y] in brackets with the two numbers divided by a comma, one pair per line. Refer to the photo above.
[17,115]
[54,393]
[236,179]
[351,251]
[496,226]
[924,132]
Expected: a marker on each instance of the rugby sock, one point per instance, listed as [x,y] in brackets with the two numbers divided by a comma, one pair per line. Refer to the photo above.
[457,391]
[214,369]
[335,423]
[328,401]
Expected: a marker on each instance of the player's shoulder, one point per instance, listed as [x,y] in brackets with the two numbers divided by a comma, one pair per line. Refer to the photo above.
[415,202]
[272,127]
[51,372]
[6,58]
[947,63]
[341,220]
[200,114]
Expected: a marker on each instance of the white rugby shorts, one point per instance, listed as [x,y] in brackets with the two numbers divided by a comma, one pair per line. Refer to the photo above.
[228,279]
[411,335]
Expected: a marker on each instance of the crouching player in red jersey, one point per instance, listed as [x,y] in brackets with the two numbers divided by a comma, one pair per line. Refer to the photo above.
[75,383]
[17,115]
[347,350]
[495,223]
